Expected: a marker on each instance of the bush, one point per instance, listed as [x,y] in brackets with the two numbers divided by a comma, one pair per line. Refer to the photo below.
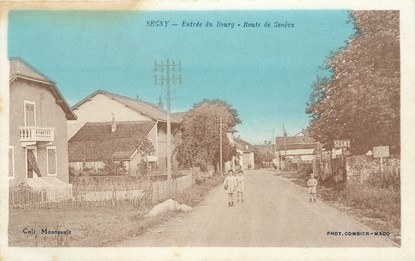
[305,170]
[380,203]
[202,166]
[113,168]
[388,179]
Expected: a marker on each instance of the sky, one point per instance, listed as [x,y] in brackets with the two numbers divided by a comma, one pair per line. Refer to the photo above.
[265,73]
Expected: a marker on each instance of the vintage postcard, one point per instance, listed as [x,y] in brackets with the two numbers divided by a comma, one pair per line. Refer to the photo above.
[197,131]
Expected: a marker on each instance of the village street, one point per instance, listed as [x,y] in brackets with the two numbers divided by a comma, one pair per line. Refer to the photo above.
[275,213]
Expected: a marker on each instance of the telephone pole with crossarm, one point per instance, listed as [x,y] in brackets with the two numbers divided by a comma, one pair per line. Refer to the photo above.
[167,73]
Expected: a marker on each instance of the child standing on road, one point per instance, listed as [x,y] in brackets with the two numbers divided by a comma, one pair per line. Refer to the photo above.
[229,185]
[312,187]
[240,180]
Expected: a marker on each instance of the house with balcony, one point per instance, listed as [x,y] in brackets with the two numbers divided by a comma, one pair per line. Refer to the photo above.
[102,106]
[38,148]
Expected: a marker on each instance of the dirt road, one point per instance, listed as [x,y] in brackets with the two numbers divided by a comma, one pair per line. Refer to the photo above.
[275,213]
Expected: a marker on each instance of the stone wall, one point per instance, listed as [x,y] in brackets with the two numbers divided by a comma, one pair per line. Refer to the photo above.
[361,167]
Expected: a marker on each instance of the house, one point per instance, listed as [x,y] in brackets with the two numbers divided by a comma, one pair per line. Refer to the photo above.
[246,154]
[245,151]
[296,149]
[103,106]
[97,142]
[38,148]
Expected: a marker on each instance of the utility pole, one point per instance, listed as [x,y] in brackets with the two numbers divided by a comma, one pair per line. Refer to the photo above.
[285,144]
[164,77]
[220,145]
[279,155]
[221,125]
[272,145]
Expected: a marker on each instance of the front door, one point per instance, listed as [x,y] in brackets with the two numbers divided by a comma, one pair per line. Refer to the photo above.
[32,169]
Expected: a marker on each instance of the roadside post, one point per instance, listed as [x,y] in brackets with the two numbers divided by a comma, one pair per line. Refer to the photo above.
[381,152]
[342,144]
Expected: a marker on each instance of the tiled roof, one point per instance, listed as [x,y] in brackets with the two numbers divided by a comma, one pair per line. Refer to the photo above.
[295,139]
[241,145]
[146,108]
[292,152]
[18,67]
[95,141]
[179,114]
[296,146]
[265,147]
[296,143]
[21,69]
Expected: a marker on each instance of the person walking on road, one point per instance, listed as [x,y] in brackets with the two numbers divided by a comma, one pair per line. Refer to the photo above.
[229,185]
[240,180]
[312,187]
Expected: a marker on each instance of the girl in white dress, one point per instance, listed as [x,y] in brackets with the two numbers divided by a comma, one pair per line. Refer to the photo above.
[240,179]
[229,185]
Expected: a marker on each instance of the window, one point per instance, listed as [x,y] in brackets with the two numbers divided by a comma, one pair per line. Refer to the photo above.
[11,162]
[52,161]
[29,113]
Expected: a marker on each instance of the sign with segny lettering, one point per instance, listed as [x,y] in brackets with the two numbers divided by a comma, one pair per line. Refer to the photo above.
[341,144]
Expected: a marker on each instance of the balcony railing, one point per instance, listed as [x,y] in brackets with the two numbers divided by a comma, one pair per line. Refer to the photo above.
[34,133]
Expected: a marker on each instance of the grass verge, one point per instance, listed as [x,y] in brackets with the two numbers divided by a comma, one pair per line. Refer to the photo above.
[93,227]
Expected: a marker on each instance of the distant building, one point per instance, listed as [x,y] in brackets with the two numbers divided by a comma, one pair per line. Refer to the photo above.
[246,158]
[297,149]
[102,106]
[246,154]
[97,142]
[38,148]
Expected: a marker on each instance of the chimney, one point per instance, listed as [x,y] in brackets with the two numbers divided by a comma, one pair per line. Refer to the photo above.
[160,104]
[113,123]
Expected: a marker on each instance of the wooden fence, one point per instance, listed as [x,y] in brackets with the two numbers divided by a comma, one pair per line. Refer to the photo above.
[110,193]
[162,190]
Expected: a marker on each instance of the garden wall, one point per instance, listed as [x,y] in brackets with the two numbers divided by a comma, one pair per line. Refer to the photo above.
[361,167]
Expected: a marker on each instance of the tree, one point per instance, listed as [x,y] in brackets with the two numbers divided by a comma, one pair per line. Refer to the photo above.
[263,157]
[144,148]
[361,99]
[199,144]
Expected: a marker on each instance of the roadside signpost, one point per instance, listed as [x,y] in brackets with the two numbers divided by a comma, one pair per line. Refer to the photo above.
[341,144]
[381,152]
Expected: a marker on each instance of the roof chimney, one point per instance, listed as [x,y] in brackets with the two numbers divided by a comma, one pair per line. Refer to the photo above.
[113,123]
[160,104]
